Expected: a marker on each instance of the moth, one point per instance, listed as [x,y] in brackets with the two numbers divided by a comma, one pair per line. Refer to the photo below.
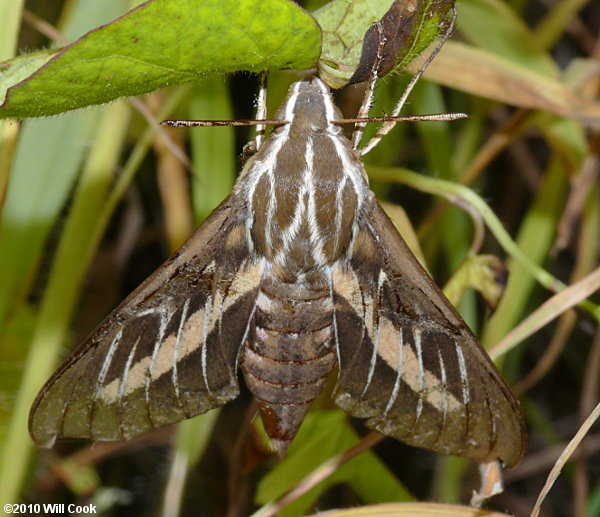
[298,273]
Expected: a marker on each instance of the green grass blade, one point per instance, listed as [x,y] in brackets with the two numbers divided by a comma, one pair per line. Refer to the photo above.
[47,160]
[61,292]
[535,239]
[557,21]
[10,14]
[192,437]
[213,149]
[455,230]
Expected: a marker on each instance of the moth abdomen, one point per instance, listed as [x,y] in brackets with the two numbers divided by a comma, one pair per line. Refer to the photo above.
[288,355]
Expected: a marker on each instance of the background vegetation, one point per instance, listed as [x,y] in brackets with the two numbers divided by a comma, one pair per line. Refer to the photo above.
[94,200]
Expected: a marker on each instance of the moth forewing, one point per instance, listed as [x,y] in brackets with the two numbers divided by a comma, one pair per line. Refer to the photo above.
[162,355]
[297,271]
[428,381]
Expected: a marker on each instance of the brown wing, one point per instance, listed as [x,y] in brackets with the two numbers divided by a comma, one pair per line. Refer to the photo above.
[409,363]
[168,352]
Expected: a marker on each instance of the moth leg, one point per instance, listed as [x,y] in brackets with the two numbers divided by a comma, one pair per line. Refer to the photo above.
[367,101]
[388,126]
[261,110]
[251,148]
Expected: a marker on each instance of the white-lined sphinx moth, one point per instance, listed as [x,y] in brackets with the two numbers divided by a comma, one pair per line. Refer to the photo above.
[297,271]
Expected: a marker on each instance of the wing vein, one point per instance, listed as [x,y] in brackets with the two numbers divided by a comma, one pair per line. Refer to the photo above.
[164,321]
[464,379]
[399,372]
[175,378]
[207,317]
[376,317]
[465,391]
[444,392]
[107,362]
[123,382]
[417,336]
[123,385]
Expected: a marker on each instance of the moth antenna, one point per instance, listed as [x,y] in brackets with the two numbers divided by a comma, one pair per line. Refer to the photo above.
[212,123]
[367,101]
[433,117]
[388,126]
[261,110]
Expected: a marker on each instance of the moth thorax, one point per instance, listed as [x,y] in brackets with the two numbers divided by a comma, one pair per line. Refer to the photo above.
[306,204]
[288,355]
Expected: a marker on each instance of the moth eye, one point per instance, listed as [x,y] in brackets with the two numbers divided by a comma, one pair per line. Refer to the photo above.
[248,151]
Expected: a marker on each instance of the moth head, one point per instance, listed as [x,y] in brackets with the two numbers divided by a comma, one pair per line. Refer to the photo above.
[309,107]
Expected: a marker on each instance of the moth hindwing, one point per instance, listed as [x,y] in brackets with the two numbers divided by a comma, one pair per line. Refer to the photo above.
[297,271]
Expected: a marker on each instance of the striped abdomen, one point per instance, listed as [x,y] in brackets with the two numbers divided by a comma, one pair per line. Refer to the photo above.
[289,354]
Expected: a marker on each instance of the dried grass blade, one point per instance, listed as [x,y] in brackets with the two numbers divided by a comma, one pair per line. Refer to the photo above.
[552,308]
[564,457]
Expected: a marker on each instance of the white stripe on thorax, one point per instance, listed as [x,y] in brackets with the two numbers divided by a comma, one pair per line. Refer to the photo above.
[339,207]
[352,169]
[329,106]
[315,237]
[290,233]
[267,166]
[351,166]
[271,207]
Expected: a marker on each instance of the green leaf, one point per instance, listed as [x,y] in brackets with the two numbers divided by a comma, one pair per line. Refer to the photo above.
[594,501]
[161,43]
[552,188]
[19,68]
[484,273]
[14,340]
[322,435]
[350,41]
[344,23]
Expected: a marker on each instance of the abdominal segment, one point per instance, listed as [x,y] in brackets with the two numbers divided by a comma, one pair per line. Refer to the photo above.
[288,354]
